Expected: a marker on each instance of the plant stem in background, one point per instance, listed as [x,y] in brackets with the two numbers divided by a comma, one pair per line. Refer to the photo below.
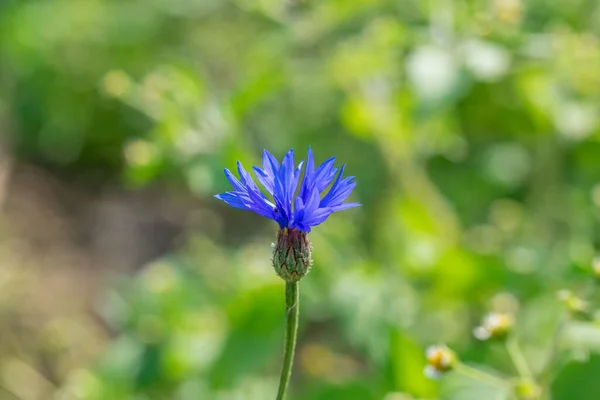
[518,359]
[292,304]
[481,376]
[547,372]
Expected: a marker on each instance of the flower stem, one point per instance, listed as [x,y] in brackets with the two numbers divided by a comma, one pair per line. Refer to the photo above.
[292,305]
[518,359]
[547,373]
[481,376]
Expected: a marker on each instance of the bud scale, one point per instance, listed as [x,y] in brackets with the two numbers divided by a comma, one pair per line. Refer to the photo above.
[292,254]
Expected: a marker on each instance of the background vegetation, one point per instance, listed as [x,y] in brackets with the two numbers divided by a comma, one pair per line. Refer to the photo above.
[472,128]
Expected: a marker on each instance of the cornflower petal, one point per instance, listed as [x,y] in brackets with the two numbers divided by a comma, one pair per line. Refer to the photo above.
[270,163]
[322,177]
[310,169]
[317,217]
[233,200]
[345,206]
[339,195]
[298,212]
[235,183]
[325,182]
[265,179]
[296,179]
[286,175]
[339,191]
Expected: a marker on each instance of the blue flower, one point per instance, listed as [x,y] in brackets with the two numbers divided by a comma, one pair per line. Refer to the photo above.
[291,208]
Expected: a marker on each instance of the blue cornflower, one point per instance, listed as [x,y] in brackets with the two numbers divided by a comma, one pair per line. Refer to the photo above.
[295,210]
[291,208]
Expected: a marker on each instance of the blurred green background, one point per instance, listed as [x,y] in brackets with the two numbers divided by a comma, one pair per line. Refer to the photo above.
[472,128]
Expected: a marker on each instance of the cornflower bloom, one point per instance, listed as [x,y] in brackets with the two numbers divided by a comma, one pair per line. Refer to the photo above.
[297,210]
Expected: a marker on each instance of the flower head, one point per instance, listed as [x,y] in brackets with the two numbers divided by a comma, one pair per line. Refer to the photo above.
[289,206]
[495,325]
[440,359]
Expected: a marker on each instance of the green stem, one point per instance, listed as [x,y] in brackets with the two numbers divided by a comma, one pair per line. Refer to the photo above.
[481,376]
[292,305]
[546,375]
[518,359]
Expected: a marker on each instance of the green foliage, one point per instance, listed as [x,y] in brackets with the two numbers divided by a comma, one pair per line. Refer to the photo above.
[472,128]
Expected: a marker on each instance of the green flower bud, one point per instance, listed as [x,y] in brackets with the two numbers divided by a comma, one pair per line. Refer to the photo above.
[292,254]
[527,389]
[574,304]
